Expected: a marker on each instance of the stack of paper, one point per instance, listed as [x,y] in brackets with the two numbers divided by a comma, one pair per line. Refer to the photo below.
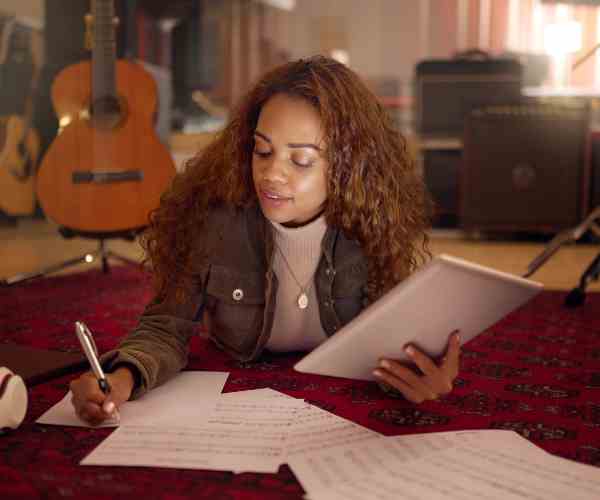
[187,424]
[248,431]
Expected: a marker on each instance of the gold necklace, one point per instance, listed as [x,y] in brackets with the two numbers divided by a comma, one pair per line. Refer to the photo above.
[302,299]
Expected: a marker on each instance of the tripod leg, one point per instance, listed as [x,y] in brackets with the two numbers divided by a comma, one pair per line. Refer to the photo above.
[101,253]
[20,278]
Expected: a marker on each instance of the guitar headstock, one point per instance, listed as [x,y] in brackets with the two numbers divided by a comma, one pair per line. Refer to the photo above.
[20,44]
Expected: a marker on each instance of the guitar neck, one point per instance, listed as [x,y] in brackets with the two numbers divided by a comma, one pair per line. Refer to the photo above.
[25,48]
[104,50]
[28,115]
[30,103]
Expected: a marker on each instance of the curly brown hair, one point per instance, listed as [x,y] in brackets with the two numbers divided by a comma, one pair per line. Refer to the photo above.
[375,195]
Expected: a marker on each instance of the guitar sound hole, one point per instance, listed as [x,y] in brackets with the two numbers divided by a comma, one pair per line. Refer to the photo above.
[106,112]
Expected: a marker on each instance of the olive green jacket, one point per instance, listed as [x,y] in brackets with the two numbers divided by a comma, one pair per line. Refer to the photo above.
[237,286]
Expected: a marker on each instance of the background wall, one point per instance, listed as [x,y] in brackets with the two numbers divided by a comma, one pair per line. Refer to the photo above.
[383,39]
[388,37]
[24,8]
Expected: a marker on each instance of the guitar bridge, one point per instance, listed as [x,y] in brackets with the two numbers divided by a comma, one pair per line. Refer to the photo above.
[107,177]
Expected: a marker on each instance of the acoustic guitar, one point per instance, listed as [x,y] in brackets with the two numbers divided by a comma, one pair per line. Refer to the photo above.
[106,169]
[20,59]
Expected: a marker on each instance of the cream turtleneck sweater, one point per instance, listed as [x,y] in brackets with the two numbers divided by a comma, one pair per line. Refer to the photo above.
[296,329]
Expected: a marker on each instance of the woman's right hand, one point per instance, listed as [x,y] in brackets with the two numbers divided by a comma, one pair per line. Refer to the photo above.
[91,404]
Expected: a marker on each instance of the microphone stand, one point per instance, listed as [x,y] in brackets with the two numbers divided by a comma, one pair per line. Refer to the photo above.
[576,297]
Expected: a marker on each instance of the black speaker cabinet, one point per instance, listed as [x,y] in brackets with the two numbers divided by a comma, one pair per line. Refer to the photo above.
[523,168]
[447,90]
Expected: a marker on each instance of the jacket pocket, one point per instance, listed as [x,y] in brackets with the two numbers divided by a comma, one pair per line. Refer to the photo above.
[236,302]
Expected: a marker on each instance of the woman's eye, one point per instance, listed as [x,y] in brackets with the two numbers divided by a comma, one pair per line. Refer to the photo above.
[302,162]
[262,154]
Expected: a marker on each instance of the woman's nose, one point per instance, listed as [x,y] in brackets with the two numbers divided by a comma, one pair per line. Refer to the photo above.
[275,169]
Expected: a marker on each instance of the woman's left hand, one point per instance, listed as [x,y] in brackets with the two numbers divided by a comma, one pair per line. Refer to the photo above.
[435,379]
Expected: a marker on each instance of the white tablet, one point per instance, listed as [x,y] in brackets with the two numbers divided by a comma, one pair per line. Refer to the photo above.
[446,294]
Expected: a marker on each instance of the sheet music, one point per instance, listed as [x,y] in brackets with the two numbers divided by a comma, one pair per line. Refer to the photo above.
[263,394]
[335,459]
[198,390]
[482,466]
[191,447]
[315,429]
[333,466]
[242,434]
[249,411]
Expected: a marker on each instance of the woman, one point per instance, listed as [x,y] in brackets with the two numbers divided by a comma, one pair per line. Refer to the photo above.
[304,210]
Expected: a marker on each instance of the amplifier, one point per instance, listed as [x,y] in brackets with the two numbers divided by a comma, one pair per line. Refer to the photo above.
[523,168]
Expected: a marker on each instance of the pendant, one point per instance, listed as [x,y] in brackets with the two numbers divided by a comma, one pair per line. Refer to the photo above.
[302,301]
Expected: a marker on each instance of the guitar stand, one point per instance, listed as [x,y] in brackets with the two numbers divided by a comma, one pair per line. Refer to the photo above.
[101,253]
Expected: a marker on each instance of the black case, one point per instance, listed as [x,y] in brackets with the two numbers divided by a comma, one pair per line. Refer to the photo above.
[448,89]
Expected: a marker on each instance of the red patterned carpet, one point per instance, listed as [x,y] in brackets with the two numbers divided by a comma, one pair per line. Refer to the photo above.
[536,372]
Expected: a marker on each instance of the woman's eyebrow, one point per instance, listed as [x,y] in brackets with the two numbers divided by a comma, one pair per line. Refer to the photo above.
[291,144]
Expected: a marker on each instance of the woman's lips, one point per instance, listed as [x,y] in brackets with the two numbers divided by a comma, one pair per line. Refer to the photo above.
[273,196]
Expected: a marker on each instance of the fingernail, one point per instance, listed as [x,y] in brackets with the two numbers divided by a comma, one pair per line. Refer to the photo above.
[384,363]
[109,407]
[457,337]
[410,350]
[377,373]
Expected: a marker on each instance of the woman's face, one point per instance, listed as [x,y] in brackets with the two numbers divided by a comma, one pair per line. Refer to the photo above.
[289,165]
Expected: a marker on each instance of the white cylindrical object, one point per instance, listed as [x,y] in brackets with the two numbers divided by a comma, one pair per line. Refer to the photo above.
[13,399]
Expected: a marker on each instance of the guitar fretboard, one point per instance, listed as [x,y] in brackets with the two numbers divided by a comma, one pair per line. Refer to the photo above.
[104,50]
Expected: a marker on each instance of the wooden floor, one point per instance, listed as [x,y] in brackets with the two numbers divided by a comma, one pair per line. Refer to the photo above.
[34,244]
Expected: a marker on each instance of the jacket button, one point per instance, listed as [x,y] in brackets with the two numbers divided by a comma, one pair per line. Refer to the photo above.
[238,294]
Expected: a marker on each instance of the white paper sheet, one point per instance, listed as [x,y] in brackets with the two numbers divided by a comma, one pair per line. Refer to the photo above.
[191,447]
[250,411]
[264,393]
[190,396]
[244,433]
[314,430]
[479,466]
[332,466]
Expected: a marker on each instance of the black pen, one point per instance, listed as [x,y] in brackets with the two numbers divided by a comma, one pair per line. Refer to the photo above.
[91,353]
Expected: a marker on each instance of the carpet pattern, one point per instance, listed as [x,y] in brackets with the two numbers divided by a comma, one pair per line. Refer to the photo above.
[536,372]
